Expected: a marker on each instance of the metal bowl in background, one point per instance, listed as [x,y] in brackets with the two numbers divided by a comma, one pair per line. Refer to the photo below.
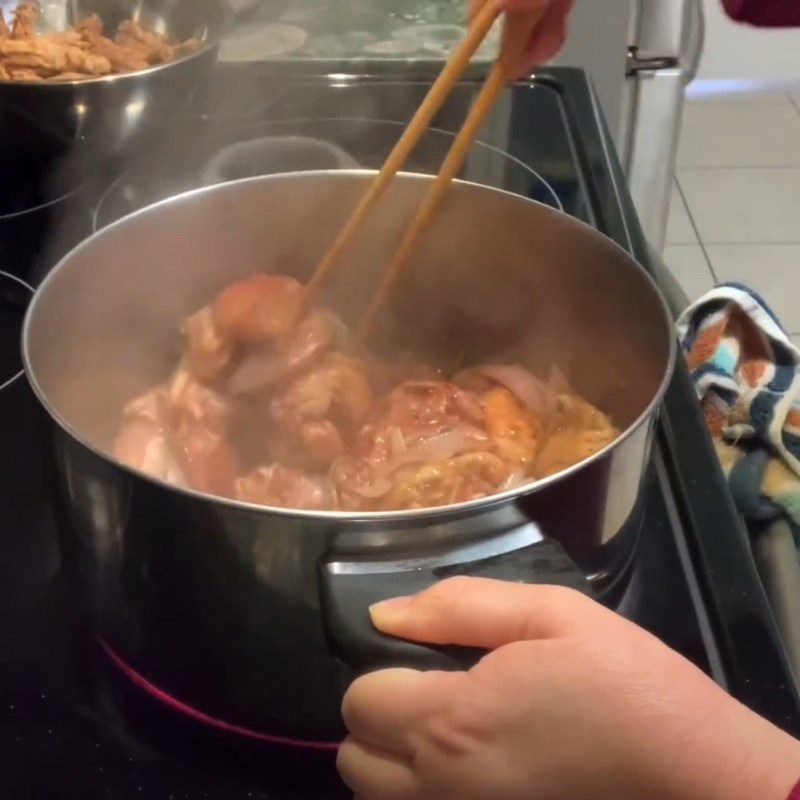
[112,114]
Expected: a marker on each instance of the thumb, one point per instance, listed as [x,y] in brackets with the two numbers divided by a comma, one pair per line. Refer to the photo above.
[477,612]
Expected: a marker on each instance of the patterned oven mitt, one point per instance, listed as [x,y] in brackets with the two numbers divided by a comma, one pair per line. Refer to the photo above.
[746,373]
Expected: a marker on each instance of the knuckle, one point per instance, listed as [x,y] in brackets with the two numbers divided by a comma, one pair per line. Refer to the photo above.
[569,600]
[451,591]
[568,595]
[351,708]
[345,763]
[441,603]
[461,726]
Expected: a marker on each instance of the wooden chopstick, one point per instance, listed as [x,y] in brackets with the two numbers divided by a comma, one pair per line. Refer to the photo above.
[513,43]
[434,100]
[435,194]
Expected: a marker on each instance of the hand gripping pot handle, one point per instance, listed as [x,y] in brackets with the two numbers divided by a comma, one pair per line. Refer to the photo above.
[349,587]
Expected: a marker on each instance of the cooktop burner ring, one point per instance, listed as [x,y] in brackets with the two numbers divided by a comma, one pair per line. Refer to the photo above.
[180,707]
[140,185]
[479,143]
[15,295]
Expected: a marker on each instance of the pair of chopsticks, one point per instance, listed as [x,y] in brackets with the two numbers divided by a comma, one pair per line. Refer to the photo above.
[439,92]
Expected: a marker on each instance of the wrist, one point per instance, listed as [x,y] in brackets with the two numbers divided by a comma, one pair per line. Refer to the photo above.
[744,757]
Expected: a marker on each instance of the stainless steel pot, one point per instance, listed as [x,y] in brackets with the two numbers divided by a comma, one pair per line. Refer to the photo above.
[257,616]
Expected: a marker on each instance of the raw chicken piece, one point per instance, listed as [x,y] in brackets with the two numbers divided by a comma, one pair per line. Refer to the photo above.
[270,405]
[339,386]
[322,443]
[416,407]
[514,429]
[258,309]
[437,435]
[179,433]
[276,485]
[266,365]
[200,418]
[319,411]
[142,441]
[205,351]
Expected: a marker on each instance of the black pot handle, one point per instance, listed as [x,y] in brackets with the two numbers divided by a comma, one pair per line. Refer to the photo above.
[349,587]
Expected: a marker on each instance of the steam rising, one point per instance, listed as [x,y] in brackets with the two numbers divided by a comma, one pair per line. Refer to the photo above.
[259,118]
[254,117]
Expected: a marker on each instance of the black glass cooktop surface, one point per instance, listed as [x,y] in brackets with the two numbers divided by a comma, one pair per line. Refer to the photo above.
[70,725]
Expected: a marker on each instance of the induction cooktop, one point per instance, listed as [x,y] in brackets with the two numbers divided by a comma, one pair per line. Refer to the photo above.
[71,723]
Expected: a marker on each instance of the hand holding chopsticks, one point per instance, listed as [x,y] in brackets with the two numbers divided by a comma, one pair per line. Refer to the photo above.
[502,71]
[535,31]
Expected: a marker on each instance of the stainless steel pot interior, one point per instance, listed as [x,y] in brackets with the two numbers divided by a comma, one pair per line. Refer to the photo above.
[497,277]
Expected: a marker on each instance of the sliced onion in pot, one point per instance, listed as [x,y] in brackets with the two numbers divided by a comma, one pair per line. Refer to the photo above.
[514,481]
[558,381]
[378,488]
[257,370]
[538,396]
[440,446]
[398,441]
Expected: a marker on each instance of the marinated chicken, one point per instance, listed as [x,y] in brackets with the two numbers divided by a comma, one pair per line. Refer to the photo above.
[275,405]
[81,52]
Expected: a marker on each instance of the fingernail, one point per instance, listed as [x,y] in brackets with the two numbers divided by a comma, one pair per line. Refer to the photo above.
[388,611]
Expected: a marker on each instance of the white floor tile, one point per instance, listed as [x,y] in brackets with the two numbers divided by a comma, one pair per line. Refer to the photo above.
[773,270]
[679,227]
[740,135]
[795,337]
[690,268]
[743,205]
[744,52]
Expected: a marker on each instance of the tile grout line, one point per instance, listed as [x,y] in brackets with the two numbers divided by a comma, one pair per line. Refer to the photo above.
[793,102]
[695,229]
[759,243]
[772,168]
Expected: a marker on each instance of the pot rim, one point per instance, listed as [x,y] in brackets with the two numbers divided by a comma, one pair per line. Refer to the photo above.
[417,515]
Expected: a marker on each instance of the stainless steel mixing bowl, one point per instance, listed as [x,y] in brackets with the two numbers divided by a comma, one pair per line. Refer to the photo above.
[109,115]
